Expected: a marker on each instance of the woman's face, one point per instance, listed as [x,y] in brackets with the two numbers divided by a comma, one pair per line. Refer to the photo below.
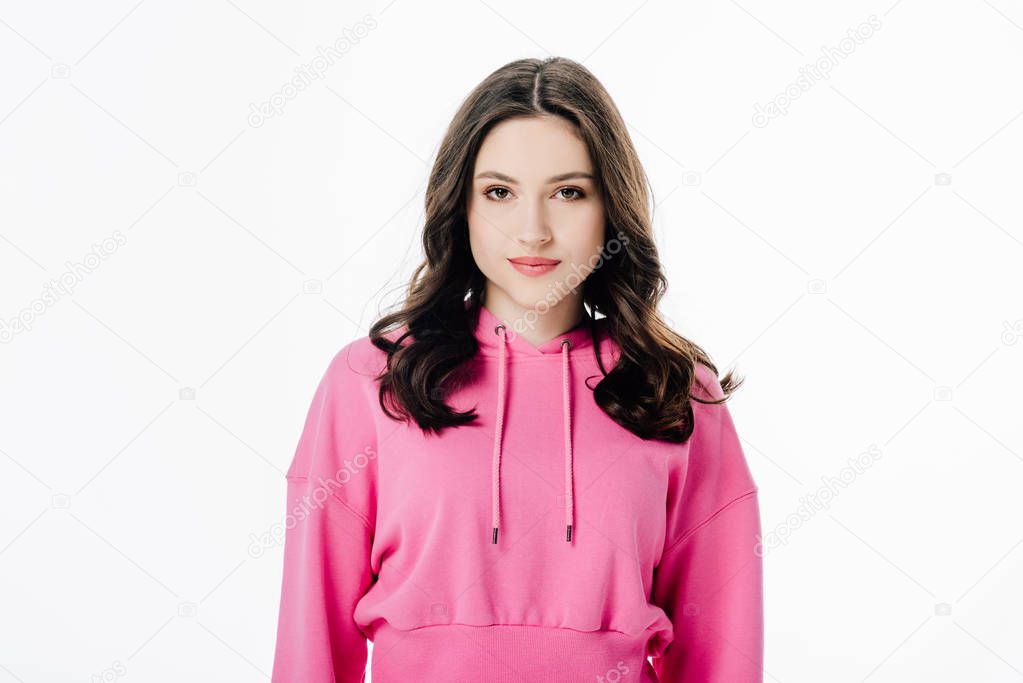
[534,195]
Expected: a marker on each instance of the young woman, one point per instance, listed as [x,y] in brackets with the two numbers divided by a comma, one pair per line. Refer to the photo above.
[524,474]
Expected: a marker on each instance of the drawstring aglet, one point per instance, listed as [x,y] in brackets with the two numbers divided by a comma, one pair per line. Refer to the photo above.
[495,535]
[568,537]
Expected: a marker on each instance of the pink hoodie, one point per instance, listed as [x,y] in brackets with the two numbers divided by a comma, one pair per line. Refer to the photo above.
[484,554]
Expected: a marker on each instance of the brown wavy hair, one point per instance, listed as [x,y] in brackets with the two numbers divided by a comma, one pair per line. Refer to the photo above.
[648,391]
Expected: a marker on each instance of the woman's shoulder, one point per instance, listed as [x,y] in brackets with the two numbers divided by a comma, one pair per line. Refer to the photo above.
[706,384]
[358,361]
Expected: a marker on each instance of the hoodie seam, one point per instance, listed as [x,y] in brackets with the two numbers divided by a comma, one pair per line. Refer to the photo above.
[361,517]
[517,625]
[514,357]
[687,535]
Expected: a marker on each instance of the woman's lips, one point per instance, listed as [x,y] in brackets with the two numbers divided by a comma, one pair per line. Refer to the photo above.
[534,265]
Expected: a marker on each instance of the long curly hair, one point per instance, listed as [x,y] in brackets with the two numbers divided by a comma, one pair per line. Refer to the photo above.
[649,389]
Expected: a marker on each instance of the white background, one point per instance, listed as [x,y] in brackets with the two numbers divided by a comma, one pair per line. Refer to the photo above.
[857,259]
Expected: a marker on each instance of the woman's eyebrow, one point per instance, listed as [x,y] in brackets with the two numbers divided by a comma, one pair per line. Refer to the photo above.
[554,179]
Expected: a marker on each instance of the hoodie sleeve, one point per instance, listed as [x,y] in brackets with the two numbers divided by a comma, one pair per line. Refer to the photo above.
[709,580]
[329,526]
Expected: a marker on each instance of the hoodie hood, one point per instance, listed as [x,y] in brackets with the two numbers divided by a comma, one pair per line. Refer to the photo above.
[497,338]
[579,337]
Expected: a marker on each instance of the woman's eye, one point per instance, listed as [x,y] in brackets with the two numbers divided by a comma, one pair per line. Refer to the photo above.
[574,193]
[496,189]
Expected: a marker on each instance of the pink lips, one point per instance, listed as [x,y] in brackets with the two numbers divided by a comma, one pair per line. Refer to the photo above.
[534,265]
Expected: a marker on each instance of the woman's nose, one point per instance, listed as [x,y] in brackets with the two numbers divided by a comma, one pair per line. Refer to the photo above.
[535,231]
